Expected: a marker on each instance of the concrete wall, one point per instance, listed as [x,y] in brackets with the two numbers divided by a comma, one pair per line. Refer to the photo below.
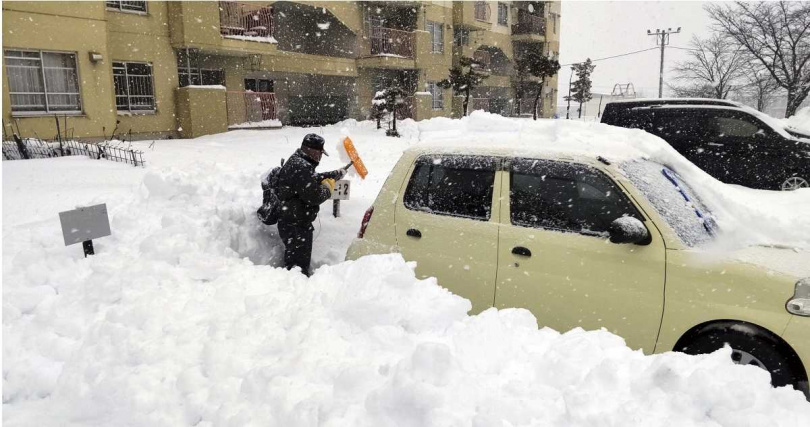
[201,111]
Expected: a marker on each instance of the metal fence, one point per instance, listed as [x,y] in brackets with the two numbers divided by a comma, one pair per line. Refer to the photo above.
[38,149]
[529,24]
[388,41]
[245,108]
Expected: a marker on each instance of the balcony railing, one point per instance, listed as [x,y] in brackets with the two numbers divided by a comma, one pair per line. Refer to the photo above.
[388,41]
[407,110]
[529,24]
[478,104]
[245,19]
[251,109]
[482,11]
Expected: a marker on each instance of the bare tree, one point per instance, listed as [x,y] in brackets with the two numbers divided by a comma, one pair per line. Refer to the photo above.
[759,88]
[712,70]
[777,35]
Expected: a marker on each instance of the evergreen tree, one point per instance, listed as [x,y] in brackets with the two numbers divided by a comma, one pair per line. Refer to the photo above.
[464,78]
[534,63]
[388,101]
[581,88]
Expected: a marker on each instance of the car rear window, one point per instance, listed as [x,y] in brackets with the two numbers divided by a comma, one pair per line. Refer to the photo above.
[458,186]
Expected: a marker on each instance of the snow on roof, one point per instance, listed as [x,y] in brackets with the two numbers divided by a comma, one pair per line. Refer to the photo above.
[661,100]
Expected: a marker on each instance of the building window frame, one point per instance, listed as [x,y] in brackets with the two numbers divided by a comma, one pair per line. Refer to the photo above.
[436,31]
[503,14]
[47,110]
[461,36]
[134,7]
[436,95]
[127,90]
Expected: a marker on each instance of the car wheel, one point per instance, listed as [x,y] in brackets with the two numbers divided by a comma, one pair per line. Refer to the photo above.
[750,350]
[794,183]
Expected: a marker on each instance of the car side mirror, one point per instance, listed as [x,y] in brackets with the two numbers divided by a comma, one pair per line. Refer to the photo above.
[629,230]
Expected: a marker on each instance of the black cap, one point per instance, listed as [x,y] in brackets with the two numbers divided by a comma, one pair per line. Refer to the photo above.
[314,141]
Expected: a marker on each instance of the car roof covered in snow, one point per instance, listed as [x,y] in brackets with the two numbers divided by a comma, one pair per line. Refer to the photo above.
[677,101]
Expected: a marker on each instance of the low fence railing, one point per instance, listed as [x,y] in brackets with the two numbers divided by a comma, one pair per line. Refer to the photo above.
[388,41]
[251,109]
[245,19]
[38,149]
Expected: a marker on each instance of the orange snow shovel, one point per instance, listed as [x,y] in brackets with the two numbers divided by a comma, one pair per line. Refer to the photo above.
[352,152]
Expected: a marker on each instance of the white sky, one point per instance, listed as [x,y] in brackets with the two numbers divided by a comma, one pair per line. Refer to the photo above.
[599,29]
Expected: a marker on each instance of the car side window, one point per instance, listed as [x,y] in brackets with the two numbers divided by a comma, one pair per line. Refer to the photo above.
[734,126]
[565,197]
[458,186]
[680,127]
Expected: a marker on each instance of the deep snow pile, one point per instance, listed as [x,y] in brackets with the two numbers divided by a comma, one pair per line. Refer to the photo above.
[181,318]
[800,121]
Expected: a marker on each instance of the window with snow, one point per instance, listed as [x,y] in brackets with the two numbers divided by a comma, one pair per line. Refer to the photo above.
[459,186]
[565,197]
[461,36]
[43,82]
[190,73]
[127,6]
[437,93]
[134,90]
[436,30]
[503,14]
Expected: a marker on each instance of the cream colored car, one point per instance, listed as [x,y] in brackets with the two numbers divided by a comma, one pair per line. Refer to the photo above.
[584,243]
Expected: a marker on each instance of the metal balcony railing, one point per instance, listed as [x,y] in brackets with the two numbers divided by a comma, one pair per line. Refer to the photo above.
[478,104]
[245,19]
[529,24]
[482,11]
[246,108]
[388,41]
[485,58]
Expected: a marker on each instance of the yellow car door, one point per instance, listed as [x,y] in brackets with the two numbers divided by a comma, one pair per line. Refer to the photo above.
[445,221]
[555,257]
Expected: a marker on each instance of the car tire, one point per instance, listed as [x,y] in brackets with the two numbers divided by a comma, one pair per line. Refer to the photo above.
[749,349]
[794,183]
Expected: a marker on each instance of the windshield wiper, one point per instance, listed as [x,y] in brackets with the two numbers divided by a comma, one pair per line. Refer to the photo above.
[703,219]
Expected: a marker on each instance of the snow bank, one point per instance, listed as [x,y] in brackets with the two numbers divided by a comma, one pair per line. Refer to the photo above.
[781,217]
[800,121]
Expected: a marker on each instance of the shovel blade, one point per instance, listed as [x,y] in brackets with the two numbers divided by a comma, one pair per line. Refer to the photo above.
[357,162]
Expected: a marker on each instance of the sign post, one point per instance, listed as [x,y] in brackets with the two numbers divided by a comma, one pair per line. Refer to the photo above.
[341,192]
[85,224]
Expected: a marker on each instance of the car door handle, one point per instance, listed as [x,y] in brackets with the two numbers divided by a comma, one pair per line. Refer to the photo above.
[715,144]
[414,233]
[521,251]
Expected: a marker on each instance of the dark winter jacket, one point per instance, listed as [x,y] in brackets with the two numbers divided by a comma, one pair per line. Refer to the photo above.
[300,189]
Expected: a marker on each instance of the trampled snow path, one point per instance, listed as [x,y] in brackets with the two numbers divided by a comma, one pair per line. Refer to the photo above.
[179,321]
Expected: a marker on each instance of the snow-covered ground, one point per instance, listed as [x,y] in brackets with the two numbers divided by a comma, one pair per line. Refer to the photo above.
[182,317]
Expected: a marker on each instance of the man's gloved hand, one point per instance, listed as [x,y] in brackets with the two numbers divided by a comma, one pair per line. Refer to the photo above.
[341,173]
[329,182]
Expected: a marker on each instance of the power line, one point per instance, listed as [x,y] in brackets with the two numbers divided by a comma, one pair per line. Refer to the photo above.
[611,57]
[662,38]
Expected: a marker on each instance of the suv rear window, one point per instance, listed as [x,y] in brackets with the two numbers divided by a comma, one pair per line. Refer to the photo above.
[452,185]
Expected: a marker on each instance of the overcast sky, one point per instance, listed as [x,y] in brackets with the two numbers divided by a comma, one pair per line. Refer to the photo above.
[598,29]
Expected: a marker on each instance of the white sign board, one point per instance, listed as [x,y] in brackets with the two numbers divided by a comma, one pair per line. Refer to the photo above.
[83,224]
[341,191]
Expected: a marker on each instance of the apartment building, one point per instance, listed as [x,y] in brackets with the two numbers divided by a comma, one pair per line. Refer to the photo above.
[184,69]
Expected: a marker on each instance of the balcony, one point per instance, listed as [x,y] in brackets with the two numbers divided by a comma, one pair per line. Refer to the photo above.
[529,27]
[251,110]
[246,21]
[391,42]
[485,58]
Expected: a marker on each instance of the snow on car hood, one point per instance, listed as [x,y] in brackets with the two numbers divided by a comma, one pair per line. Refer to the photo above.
[790,261]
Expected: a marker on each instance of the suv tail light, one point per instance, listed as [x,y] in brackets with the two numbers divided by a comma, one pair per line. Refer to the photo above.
[364,224]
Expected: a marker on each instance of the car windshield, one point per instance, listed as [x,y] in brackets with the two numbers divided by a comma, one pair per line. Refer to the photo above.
[673,199]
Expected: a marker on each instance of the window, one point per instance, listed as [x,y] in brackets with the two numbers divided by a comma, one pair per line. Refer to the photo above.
[452,185]
[734,127]
[565,197]
[259,85]
[127,6]
[461,36]
[42,81]
[437,93]
[503,14]
[436,30]
[189,72]
[133,86]
[673,199]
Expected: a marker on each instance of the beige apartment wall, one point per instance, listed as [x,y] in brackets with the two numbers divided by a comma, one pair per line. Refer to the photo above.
[145,38]
[201,111]
[68,27]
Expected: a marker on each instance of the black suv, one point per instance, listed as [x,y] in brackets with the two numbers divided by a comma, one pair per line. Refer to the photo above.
[731,142]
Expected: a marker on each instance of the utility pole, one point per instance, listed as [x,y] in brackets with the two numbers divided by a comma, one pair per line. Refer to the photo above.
[662,39]
[568,108]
